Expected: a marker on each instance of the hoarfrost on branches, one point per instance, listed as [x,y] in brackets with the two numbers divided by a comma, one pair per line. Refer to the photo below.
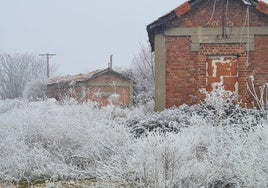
[207,145]
[142,73]
[17,70]
[35,90]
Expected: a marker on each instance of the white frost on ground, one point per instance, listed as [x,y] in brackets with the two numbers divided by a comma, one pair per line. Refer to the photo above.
[187,147]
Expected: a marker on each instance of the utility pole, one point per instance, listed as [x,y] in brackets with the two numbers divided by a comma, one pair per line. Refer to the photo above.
[47,55]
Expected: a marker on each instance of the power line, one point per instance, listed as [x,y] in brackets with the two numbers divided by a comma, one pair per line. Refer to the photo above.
[47,55]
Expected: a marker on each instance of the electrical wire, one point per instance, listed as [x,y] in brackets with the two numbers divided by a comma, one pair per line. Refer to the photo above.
[226,10]
[212,14]
[247,62]
[246,25]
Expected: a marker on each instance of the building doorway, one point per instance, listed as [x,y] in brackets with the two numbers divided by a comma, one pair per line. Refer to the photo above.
[222,70]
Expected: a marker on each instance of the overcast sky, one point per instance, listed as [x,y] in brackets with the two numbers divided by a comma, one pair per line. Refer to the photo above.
[83,33]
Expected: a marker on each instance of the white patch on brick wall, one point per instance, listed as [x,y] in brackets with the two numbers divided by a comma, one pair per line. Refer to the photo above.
[215,85]
[97,94]
[214,65]
[218,59]
[236,87]
[224,61]
[222,69]
[83,92]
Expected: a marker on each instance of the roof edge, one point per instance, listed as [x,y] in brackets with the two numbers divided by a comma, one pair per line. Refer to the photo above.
[110,70]
[177,12]
[262,7]
[156,24]
[182,9]
[94,75]
[186,7]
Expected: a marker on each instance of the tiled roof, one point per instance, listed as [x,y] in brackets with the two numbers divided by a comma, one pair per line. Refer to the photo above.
[182,9]
[186,7]
[72,78]
[262,7]
[83,77]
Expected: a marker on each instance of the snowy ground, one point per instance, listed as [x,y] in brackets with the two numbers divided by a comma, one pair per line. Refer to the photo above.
[209,145]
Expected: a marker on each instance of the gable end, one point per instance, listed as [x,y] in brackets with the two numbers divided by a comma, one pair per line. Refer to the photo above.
[159,25]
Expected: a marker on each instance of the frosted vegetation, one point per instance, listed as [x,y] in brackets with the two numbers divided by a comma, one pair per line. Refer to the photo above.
[214,144]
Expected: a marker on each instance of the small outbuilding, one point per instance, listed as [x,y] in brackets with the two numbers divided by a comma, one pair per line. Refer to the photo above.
[102,86]
[205,42]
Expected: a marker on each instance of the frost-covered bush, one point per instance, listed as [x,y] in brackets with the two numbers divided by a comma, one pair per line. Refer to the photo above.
[34,90]
[260,96]
[220,108]
[10,104]
[141,72]
[206,145]
[200,156]
[46,140]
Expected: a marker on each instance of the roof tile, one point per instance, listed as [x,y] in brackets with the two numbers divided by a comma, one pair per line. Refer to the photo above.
[182,9]
[72,78]
[262,7]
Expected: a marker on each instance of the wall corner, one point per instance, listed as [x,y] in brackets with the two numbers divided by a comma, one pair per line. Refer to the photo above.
[160,72]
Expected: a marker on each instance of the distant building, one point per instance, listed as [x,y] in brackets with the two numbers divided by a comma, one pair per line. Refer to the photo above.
[202,43]
[102,86]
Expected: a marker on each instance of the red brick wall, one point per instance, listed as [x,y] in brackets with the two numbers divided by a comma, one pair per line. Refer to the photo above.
[259,59]
[115,85]
[105,78]
[199,15]
[226,49]
[181,71]
[61,93]
[105,85]
[103,95]
[186,69]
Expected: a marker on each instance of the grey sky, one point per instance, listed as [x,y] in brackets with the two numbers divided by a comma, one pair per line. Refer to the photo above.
[83,33]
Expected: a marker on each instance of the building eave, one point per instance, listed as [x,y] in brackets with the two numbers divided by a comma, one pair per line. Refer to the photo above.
[66,81]
[105,71]
[151,28]
[157,25]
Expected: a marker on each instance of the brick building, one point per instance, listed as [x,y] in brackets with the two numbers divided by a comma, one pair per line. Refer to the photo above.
[202,43]
[102,86]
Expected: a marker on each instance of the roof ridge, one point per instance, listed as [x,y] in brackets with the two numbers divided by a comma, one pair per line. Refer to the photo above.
[75,77]
[82,77]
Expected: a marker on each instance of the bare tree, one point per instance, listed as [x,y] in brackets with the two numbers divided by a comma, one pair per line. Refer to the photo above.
[142,72]
[16,71]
